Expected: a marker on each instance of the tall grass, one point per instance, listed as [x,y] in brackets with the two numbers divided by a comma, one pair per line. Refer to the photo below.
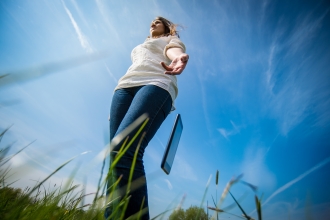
[41,203]
[67,202]
[226,191]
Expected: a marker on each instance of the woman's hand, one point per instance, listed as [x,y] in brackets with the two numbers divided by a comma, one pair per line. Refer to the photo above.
[177,65]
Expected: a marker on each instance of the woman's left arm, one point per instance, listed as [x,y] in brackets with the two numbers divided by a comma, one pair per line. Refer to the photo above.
[179,61]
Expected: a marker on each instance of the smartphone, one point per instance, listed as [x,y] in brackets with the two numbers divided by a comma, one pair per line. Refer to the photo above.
[172,145]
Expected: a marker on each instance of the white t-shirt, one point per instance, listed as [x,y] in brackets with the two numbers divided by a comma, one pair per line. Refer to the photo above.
[146,68]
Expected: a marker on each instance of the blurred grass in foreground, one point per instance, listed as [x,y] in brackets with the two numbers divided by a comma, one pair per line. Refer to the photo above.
[64,202]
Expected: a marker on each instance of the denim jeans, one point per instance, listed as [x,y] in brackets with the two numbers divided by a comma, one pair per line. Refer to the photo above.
[127,105]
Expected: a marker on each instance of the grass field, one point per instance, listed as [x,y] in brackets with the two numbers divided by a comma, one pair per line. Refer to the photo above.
[66,202]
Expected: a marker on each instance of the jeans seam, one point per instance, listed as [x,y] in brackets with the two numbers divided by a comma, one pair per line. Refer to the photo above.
[168,95]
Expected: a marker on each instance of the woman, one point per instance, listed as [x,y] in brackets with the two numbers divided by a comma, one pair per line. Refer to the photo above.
[149,86]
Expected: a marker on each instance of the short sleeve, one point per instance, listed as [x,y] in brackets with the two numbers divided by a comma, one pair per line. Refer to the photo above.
[174,42]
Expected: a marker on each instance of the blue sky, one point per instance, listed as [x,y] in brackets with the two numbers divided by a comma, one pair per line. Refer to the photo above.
[254,98]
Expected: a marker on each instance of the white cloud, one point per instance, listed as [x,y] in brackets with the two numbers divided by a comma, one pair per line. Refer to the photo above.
[255,169]
[111,74]
[300,177]
[102,8]
[289,106]
[81,37]
[291,95]
[183,169]
[81,16]
[305,29]
[285,100]
[264,8]
[204,105]
[17,160]
[169,185]
[269,72]
[224,132]
[295,210]
[229,132]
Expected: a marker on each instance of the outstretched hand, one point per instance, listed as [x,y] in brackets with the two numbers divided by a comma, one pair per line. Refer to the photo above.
[177,65]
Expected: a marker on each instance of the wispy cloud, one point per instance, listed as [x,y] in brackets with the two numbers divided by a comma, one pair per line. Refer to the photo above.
[255,169]
[300,177]
[204,104]
[296,210]
[269,72]
[229,132]
[264,8]
[110,73]
[290,106]
[183,169]
[81,37]
[304,31]
[102,8]
[271,145]
[288,80]
[169,185]
[282,99]
[81,15]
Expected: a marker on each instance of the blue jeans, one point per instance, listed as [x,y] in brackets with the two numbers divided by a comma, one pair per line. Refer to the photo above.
[127,105]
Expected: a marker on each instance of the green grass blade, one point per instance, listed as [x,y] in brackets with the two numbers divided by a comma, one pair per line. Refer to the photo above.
[116,140]
[39,71]
[141,209]
[253,187]
[5,160]
[59,168]
[100,179]
[123,148]
[240,207]
[168,208]
[133,164]
[205,192]
[130,178]
[258,206]
[161,214]
[214,202]
[121,207]
[228,186]
[4,131]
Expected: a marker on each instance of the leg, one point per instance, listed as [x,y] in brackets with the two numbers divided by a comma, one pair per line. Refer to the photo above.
[157,103]
[120,104]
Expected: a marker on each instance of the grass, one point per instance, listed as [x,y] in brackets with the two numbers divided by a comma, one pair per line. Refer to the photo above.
[65,202]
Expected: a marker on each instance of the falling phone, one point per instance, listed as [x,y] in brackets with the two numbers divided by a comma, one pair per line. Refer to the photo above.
[172,145]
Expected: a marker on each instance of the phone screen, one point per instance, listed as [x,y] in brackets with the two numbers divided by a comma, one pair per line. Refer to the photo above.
[172,145]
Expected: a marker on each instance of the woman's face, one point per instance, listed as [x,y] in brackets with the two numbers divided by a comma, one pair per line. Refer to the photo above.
[157,28]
